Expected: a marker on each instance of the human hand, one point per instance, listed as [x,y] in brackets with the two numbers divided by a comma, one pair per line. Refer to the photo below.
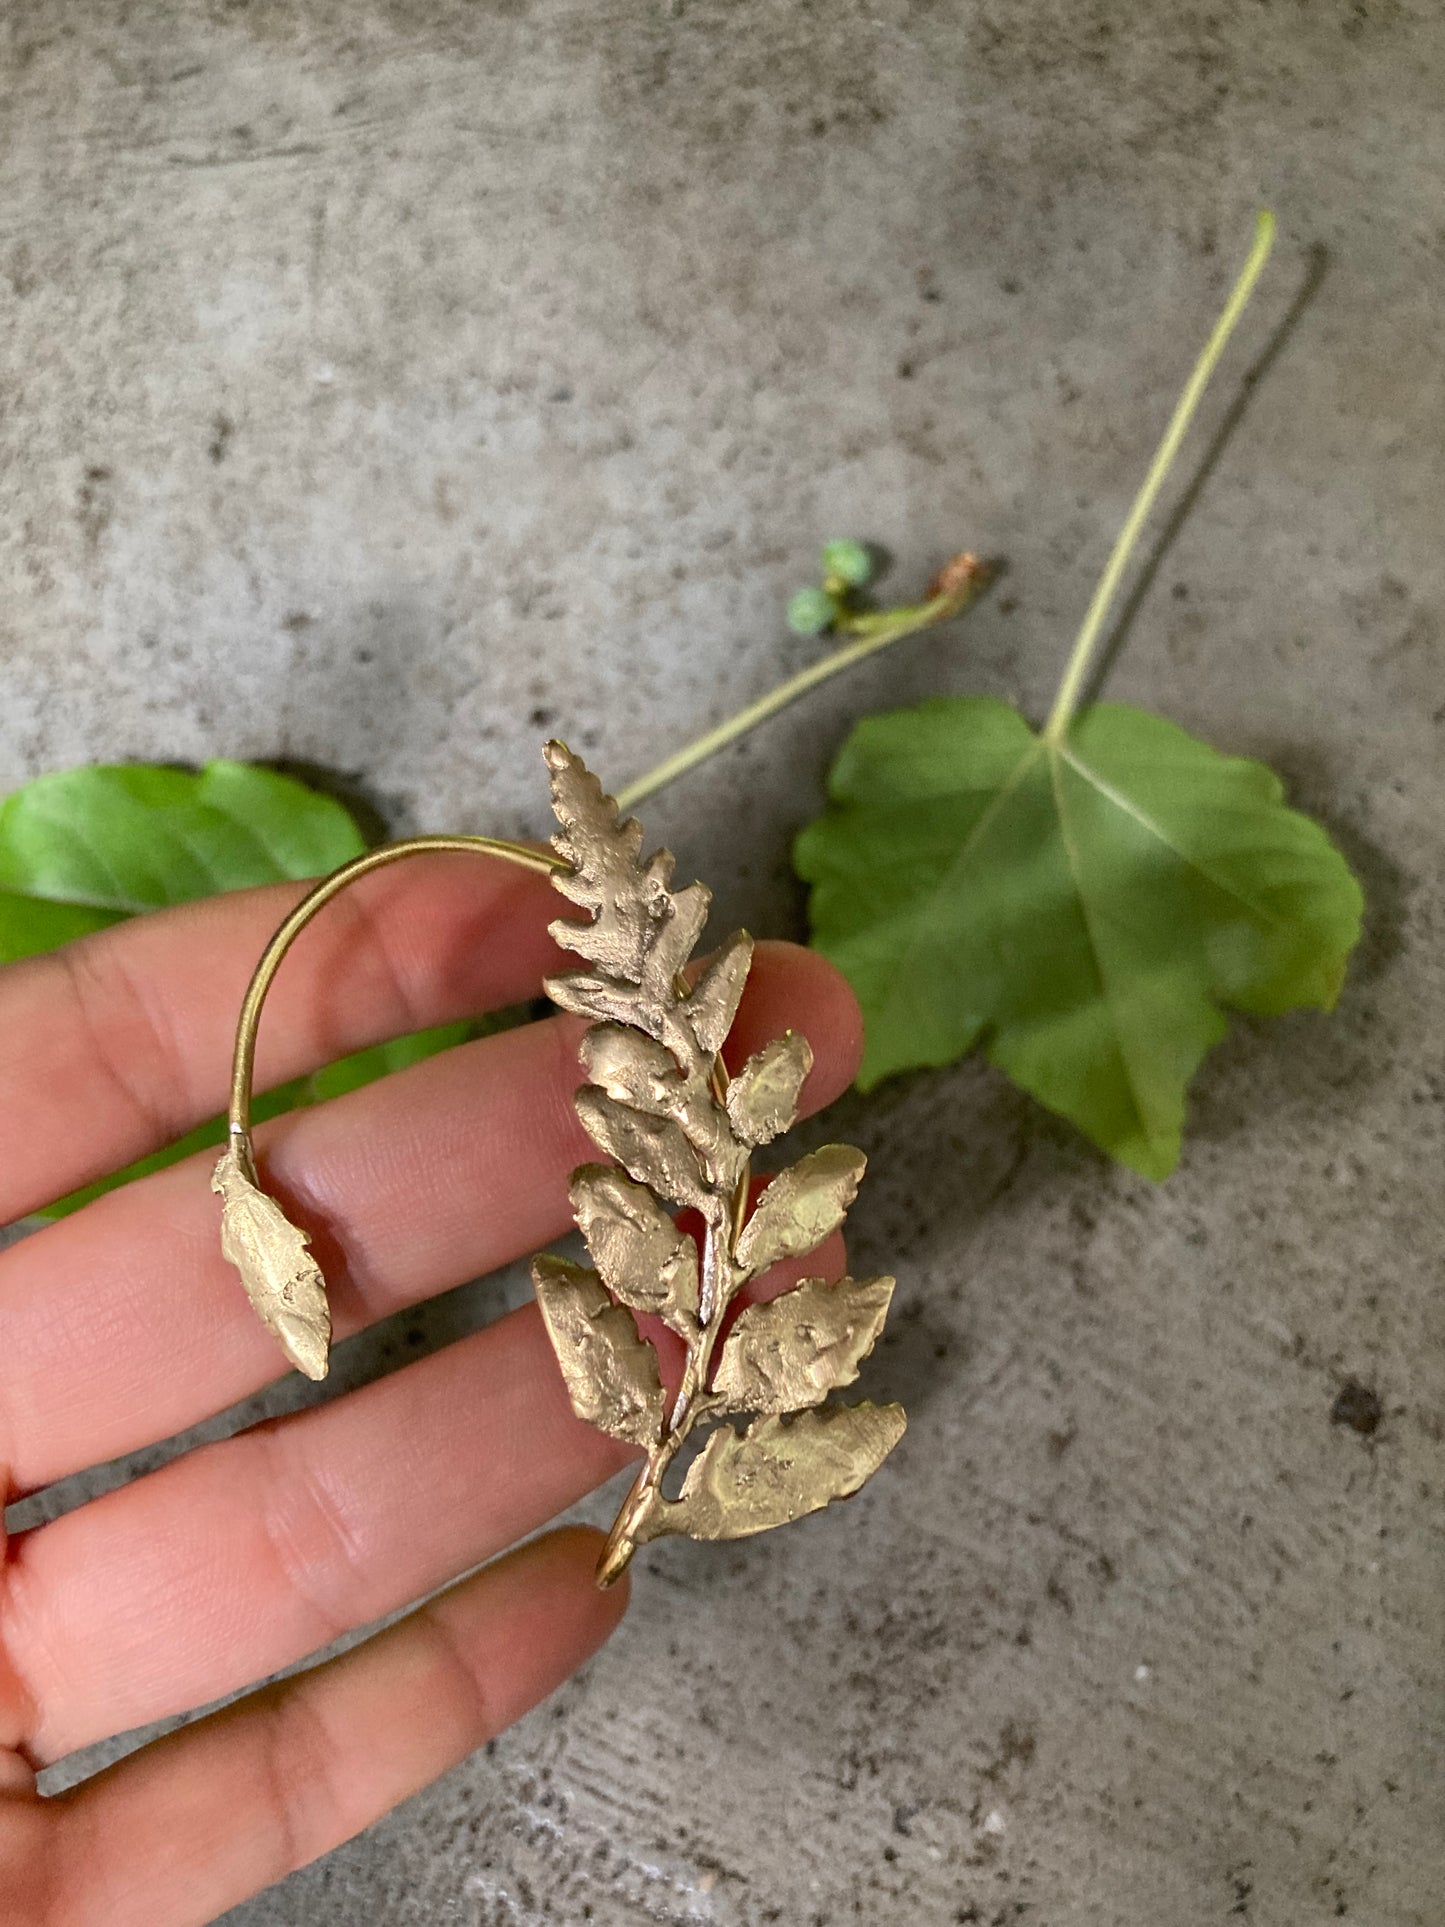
[122,1325]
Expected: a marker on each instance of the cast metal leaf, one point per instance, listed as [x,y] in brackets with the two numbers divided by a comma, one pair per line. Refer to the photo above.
[634,1070]
[283,1281]
[778,1470]
[762,1099]
[611,1372]
[641,1255]
[659,1102]
[711,1008]
[801,1207]
[789,1353]
[654,1150]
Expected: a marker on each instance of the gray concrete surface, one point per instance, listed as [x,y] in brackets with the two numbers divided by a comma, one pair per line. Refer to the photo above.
[389,382]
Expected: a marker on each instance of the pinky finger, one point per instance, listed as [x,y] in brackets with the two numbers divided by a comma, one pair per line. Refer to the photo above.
[194,1824]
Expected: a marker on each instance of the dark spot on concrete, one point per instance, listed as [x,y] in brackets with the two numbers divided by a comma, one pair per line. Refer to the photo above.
[94,507]
[1357,1406]
[1009,285]
[541,717]
[905,371]
[1180,591]
[1083,1215]
[222,429]
[1016,1747]
[23,279]
[561,392]
[903,1820]
[297,620]
[1059,1442]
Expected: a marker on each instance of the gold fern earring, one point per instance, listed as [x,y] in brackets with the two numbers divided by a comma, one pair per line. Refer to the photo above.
[659,1101]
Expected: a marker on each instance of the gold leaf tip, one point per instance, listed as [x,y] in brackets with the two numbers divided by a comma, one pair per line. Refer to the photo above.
[283,1281]
[305,1344]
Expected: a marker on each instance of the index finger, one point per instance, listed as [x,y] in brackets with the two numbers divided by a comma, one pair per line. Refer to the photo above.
[118,1043]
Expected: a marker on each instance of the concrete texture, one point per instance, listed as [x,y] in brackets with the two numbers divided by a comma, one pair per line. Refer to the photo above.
[387,384]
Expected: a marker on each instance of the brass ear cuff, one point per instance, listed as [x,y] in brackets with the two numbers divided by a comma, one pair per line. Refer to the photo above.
[659,1102]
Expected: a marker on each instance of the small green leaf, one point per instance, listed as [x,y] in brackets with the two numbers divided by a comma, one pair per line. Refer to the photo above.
[86,848]
[114,840]
[1086,908]
[811,611]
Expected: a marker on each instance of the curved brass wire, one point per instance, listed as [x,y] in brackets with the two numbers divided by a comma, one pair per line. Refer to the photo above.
[282,1280]
[244,1060]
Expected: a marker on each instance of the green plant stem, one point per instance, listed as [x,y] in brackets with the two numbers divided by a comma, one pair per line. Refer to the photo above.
[870,633]
[1071,687]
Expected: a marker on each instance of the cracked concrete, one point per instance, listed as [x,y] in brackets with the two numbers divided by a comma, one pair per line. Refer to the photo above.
[391,381]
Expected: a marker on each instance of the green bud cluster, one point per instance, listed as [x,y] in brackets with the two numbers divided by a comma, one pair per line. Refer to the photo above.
[847,566]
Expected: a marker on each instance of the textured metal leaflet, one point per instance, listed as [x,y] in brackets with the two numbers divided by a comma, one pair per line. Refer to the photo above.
[788,1354]
[659,1101]
[780,1470]
[625,896]
[714,1002]
[642,1256]
[652,1149]
[802,1206]
[762,1099]
[611,1372]
[283,1281]
[633,1069]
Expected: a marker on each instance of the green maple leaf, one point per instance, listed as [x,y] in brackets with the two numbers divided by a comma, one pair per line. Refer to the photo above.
[85,848]
[1086,905]
[1086,901]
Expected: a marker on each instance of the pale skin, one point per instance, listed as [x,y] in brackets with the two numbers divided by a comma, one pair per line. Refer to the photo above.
[122,1325]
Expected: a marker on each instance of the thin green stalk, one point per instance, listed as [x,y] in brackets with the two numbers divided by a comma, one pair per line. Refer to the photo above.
[1070,689]
[871,633]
